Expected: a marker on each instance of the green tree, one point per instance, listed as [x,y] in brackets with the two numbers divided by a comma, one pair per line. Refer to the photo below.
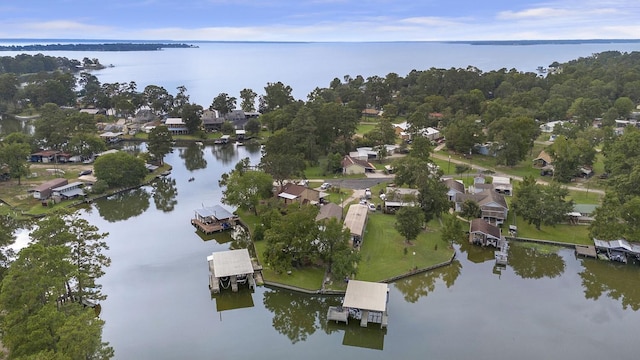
[569,155]
[14,156]
[512,138]
[541,205]
[192,117]
[86,145]
[253,127]
[245,188]
[277,95]
[279,158]
[471,209]
[291,238]
[462,134]
[248,98]
[159,143]
[432,197]
[409,222]
[335,251]
[120,169]
[452,231]
[223,103]
[158,99]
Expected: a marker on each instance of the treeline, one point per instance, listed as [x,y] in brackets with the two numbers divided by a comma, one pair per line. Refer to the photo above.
[95,47]
[32,64]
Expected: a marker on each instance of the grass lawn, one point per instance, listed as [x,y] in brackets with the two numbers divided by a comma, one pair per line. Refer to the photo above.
[583,197]
[575,234]
[383,249]
[309,278]
[364,128]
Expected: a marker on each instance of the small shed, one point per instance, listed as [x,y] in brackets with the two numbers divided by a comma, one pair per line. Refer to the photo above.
[230,268]
[43,191]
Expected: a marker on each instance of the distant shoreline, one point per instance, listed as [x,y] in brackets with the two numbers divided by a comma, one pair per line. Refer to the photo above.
[96,47]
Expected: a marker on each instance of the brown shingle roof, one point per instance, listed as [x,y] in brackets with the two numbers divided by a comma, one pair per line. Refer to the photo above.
[545,157]
[328,211]
[479,225]
[293,189]
[348,160]
[452,184]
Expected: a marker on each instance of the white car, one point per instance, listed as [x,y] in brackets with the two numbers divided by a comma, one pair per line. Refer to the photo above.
[372,206]
[325,186]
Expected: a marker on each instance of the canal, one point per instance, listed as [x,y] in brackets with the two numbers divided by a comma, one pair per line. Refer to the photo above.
[546,304]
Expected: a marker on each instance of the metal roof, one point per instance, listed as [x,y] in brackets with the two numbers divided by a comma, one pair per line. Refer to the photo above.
[231,262]
[366,295]
[215,211]
[356,219]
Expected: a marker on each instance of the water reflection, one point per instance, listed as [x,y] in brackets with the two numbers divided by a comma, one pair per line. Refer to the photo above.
[533,261]
[417,286]
[122,206]
[193,156]
[617,281]
[355,335]
[228,300]
[298,316]
[165,194]
[226,154]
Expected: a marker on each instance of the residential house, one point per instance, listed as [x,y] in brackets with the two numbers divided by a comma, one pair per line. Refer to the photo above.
[294,193]
[492,204]
[370,113]
[549,127]
[455,187]
[176,126]
[328,211]
[483,233]
[544,162]
[582,214]
[43,191]
[370,153]
[356,166]
[44,156]
[237,117]
[211,121]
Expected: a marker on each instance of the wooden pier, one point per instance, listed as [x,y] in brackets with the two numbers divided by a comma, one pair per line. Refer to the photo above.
[207,229]
[588,251]
[338,314]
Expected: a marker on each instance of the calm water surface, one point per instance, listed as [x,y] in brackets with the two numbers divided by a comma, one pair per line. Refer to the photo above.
[215,68]
[545,304]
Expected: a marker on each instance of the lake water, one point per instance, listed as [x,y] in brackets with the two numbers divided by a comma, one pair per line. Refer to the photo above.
[544,305]
[215,68]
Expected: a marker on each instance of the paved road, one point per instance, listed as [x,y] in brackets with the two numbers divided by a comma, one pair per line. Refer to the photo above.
[518,178]
[359,184]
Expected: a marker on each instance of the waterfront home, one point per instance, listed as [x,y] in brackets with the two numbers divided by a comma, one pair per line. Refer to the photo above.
[364,301]
[213,219]
[228,269]
[176,126]
[483,233]
[43,191]
[68,191]
[356,222]
[492,204]
[211,121]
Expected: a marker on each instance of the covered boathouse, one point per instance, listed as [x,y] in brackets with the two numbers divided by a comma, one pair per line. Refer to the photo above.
[213,219]
[230,268]
[364,301]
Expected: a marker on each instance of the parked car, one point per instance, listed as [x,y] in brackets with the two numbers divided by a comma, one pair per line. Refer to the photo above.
[85,172]
[325,186]
[372,207]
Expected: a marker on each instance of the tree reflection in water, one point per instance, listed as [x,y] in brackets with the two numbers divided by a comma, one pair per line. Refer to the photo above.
[417,286]
[534,261]
[297,315]
[617,281]
[193,157]
[124,205]
[165,194]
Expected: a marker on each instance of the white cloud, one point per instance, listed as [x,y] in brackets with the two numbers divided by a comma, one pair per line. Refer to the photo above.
[543,12]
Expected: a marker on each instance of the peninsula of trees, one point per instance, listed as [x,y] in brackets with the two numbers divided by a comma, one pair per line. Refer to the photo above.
[96,47]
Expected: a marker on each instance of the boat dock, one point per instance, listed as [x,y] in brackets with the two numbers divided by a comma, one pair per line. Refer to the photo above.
[207,229]
[363,301]
[588,251]
[338,314]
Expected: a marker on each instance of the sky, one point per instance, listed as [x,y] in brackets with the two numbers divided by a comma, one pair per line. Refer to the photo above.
[320,20]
